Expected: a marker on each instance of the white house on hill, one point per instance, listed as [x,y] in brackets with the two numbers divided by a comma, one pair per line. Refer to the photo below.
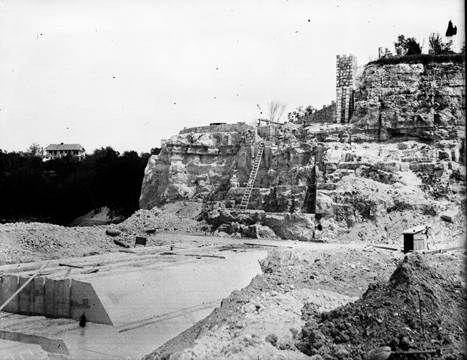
[55,151]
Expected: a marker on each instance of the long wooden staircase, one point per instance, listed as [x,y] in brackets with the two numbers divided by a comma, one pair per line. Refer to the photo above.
[251,181]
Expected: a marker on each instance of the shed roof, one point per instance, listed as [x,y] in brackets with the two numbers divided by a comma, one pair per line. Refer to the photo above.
[416,229]
[62,146]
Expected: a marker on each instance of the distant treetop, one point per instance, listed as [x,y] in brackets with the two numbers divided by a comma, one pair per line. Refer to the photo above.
[451,30]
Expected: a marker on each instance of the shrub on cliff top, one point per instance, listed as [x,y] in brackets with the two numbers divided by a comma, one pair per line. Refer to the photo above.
[420,59]
[407,46]
[438,46]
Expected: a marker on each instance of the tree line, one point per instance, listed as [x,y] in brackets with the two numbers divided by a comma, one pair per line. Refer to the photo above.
[60,190]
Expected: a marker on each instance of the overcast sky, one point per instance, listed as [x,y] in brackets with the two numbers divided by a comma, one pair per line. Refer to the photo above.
[128,73]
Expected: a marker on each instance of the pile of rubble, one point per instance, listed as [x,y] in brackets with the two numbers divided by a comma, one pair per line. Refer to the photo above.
[418,309]
[260,224]
[144,221]
[335,306]
[25,242]
[264,320]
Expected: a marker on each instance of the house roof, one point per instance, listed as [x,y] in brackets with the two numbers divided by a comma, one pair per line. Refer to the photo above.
[62,146]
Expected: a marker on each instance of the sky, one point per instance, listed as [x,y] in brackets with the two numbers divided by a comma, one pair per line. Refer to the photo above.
[128,73]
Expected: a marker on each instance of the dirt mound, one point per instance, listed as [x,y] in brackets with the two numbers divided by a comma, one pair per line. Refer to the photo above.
[159,220]
[419,308]
[25,242]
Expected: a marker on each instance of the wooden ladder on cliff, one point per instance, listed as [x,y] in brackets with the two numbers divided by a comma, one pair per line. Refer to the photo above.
[251,181]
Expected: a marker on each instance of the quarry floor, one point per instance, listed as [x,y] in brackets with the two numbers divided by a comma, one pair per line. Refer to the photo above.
[169,314]
[150,293]
[265,319]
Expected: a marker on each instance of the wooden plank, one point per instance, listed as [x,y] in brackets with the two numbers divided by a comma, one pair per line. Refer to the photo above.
[89,271]
[264,245]
[131,251]
[49,297]
[25,296]
[208,256]
[56,295]
[14,295]
[54,346]
[419,244]
[71,265]
[62,298]
[10,285]
[436,251]
[39,296]
[386,247]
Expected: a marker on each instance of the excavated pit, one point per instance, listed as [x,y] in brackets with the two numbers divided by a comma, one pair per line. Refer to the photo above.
[141,298]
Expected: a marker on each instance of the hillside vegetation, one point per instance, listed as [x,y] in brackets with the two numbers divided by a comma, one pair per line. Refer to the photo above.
[59,190]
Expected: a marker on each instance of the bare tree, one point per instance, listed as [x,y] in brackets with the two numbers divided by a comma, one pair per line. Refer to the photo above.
[276,110]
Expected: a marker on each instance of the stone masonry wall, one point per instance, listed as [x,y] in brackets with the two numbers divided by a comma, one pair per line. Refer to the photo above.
[345,83]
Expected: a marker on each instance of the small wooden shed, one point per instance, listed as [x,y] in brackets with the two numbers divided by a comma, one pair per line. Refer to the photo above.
[415,238]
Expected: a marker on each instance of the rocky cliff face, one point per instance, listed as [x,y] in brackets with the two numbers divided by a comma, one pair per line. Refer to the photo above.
[422,100]
[419,107]
[214,163]
[369,180]
[197,162]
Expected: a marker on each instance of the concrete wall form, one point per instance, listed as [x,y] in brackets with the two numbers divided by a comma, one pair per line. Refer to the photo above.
[54,298]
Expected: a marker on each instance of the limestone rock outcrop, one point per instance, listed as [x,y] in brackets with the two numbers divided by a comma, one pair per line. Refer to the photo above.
[258,223]
[197,163]
[404,150]
[365,181]
[411,99]
[213,163]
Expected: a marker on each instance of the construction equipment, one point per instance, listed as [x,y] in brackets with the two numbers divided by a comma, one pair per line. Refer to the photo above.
[253,173]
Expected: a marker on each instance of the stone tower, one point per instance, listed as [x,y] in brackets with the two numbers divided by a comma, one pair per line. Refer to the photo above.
[346,68]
